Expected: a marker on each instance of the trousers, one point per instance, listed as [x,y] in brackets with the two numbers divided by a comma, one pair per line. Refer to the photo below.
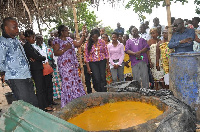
[23,89]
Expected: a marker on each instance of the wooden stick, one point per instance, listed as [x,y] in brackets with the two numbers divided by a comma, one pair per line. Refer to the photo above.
[79,49]
[169,19]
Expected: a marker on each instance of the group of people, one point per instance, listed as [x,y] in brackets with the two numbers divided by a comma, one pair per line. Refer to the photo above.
[142,55]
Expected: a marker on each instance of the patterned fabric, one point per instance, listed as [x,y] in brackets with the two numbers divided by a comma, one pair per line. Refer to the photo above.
[108,72]
[49,53]
[196,46]
[56,85]
[108,75]
[157,75]
[97,53]
[56,79]
[164,56]
[127,71]
[13,59]
[68,69]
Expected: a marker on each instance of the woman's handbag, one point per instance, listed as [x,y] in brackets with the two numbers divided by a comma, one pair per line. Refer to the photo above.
[47,69]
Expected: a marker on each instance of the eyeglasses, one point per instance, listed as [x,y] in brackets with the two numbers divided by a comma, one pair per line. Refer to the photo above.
[176,25]
[65,30]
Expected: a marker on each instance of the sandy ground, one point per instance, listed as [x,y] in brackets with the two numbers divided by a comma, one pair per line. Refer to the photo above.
[4,106]
[3,102]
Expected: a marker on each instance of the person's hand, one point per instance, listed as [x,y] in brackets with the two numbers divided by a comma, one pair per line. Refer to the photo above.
[150,64]
[32,60]
[116,66]
[126,64]
[137,53]
[187,40]
[158,68]
[67,46]
[3,78]
[89,71]
[108,67]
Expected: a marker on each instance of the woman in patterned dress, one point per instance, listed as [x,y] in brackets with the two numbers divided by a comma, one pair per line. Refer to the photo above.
[56,79]
[64,47]
[127,64]
[162,57]
[108,73]
[153,42]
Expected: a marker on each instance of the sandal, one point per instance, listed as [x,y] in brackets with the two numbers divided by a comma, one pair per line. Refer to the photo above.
[48,109]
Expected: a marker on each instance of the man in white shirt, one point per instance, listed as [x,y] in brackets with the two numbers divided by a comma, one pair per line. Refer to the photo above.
[143,34]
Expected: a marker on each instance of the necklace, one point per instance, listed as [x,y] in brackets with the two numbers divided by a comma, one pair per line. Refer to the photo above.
[136,40]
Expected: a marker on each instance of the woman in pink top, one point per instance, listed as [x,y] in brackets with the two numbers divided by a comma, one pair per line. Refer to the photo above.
[116,57]
[96,57]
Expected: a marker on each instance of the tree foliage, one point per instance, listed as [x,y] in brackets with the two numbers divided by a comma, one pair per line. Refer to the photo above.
[84,16]
[145,6]
[197,2]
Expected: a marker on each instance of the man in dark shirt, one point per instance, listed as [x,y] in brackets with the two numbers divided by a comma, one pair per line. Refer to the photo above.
[182,39]
[119,29]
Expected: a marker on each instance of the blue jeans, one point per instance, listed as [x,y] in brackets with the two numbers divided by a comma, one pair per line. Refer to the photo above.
[23,89]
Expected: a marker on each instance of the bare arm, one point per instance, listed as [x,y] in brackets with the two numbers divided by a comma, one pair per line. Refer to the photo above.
[129,52]
[197,39]
[78,44]
[88,67]
[158,55]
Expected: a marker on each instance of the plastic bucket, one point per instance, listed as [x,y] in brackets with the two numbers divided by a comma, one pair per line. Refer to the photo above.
[9,97]
[184,78]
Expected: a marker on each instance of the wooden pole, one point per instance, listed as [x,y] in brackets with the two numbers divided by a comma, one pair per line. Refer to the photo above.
[169,19]
[79,49]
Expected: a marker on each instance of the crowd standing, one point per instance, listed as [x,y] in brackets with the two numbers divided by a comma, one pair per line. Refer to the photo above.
[52,70]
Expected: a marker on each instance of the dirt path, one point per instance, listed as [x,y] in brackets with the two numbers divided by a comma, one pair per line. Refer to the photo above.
[3,102]
[4,106]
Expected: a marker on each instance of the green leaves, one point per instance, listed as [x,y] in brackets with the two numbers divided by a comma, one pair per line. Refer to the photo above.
[145,6]
[197,2]
[84,16]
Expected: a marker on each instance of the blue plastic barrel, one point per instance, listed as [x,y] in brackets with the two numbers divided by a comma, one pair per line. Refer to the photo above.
[184,78]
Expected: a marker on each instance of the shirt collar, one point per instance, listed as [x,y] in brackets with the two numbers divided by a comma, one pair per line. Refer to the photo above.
[5,35]
[185,30]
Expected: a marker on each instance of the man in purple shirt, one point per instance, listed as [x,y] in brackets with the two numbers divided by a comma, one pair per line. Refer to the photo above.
[137,49]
